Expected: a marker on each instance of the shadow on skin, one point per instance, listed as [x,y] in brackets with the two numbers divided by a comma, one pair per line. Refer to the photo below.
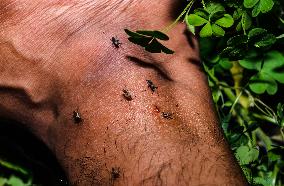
[190,38]
[23,95]
[152,65]
[196,62]
[21,147]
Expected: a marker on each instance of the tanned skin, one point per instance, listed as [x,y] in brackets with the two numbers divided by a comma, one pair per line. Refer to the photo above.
[90,102]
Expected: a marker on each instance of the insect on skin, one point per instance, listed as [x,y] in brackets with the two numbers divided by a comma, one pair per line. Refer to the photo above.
[77,117]
[115,42]
[115,173]
[127,95]
[151,85]
[167,115]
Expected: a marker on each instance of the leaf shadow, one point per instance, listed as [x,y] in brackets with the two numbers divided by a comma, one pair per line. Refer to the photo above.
[152,65]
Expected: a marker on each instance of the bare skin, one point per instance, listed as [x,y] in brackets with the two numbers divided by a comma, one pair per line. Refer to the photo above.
[89,100]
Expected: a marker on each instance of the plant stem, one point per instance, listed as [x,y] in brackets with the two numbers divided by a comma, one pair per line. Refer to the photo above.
[263,117]
[188,6]
[263,137]
[203,4]
[282,133]
[236,101]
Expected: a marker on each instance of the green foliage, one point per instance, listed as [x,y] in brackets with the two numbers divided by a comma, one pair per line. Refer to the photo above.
[270,70]
[17,176]
[14,181]
[258,6]
[246,155]
[214,19]
[241,46]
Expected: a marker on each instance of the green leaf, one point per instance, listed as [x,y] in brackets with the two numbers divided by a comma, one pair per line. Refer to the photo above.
[206,31]
[263,181]
[238,14]
[202,13]
[15,181]
[225,122]
[132,34]
[280,114]
[246,21]
[233,53]
[148,40]
[191,28]
[237,140]
[256,32]
[271,71]
[226,21]
[142,41]
[225,63]
[274,65]
[252,63]
[263,82]
[3,181]
[156,47]
[248,173]
[214,7]
[250,3]
[218,31]
[166,50]
[266,5]
[260,38]
[13,167]
[245,155]
[273,157]
[216,15]
[256,10]
[195,20]
[239,26]
[266,41]
[237,40]
[155,33]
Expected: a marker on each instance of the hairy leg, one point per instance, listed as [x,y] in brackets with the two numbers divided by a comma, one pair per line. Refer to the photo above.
[62,77]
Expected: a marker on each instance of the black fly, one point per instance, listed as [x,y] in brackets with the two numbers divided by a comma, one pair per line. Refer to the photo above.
[116,43]
[115,173]
[151,85]
[127,95]
[167,115]
[77,117]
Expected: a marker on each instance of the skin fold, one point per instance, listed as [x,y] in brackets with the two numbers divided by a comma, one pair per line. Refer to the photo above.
[63,78]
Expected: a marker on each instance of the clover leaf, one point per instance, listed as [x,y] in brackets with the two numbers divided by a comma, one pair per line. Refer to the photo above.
[261,38]
[245,22]
[246,155]
[258,6]
[263,82]
[212,19]
[148,39]
[196,20]
[226,21]
[270,69]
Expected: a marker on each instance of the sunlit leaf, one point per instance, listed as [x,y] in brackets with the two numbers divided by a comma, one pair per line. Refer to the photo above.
[226,21]
[206,31]
[195,20]
[250,3]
